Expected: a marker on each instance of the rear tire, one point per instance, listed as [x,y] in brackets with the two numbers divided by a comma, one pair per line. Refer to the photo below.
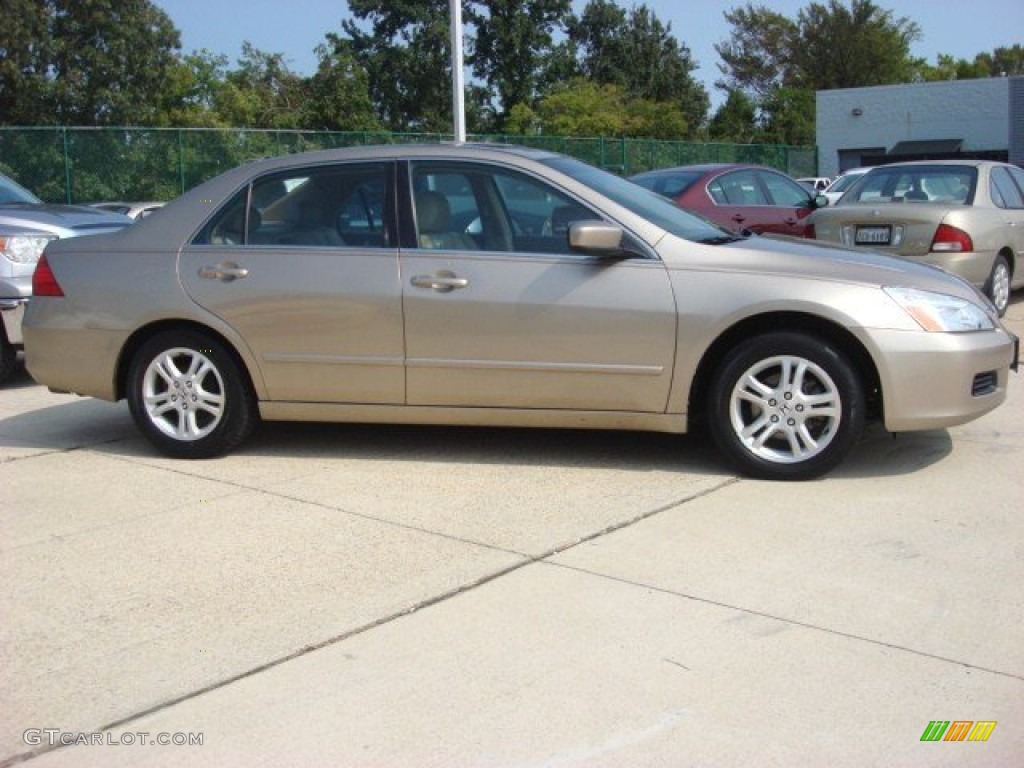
[189,396]
[785,406]
[998,286]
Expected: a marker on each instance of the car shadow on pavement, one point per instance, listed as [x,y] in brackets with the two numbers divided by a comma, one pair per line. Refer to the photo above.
[107,428]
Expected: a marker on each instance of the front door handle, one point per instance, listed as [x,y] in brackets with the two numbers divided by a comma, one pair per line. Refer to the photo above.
[226,271]
[442,282]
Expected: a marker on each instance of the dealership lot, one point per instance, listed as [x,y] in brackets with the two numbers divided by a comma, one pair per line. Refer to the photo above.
[360,595]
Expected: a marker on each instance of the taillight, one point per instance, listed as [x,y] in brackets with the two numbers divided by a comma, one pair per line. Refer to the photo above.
[44,283]
[950,239]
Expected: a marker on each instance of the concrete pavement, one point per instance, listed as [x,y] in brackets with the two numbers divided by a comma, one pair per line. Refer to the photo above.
[371,596]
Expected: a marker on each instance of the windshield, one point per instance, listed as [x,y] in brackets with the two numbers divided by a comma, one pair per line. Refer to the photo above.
[844,182]
[653,207]
[15,193]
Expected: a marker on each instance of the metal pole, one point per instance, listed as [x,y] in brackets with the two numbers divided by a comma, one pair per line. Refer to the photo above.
[458,85]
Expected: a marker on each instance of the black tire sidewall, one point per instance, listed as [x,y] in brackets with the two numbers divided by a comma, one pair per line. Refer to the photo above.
[795,344]
[239,409]
[990,283]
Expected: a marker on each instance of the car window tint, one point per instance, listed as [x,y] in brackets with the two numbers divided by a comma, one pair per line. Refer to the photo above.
[784,191]
[332,207]
[1004,192]
[737,188]
[478,207]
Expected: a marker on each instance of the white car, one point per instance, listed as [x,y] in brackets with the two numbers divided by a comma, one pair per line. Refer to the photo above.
[842,183]
[817,183]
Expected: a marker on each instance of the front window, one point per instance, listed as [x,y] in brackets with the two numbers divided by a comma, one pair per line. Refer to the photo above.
[470,207]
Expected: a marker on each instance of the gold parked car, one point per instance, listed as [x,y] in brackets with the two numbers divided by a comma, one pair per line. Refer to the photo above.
[490,285]
[966,216]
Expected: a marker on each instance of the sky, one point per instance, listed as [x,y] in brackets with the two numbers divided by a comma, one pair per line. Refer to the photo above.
[961,29]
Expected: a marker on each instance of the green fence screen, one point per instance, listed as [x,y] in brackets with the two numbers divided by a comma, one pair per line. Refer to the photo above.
[81,165]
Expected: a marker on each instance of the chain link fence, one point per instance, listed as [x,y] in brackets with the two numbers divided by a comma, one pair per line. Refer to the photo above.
[81,165]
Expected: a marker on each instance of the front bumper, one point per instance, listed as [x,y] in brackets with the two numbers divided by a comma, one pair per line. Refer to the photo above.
[938,380]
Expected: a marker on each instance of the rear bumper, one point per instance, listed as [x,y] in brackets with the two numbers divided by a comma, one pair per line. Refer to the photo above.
[12,312]
[938,380]
[972,266]
[80,361]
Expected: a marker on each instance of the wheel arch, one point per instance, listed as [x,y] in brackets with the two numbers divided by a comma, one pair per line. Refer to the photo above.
[146,332]
[799,322]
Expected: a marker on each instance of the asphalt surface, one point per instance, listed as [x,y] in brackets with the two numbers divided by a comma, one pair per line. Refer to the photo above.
[383,596]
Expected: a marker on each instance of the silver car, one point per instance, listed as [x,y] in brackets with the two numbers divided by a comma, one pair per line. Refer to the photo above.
[489,285]
[27,224]
[966,216]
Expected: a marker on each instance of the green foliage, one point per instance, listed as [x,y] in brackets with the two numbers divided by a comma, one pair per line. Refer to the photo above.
[511,46]
[586,108]
[84,62]
[1002,62]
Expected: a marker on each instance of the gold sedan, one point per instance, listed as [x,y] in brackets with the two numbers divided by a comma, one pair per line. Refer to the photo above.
[965,216]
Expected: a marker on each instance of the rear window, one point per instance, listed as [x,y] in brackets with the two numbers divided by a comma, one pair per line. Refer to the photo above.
[918,183]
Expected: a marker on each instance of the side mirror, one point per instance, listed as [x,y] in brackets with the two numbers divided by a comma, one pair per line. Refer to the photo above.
[820,201]
[597,238]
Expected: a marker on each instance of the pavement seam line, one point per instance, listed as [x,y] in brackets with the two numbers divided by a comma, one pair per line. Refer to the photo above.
[793,622]
[541,559]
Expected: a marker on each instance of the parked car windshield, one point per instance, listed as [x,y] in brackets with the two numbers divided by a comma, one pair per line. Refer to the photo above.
[653,207]
[15,193]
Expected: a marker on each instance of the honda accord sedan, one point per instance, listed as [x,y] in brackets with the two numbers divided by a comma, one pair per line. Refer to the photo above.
[500,286]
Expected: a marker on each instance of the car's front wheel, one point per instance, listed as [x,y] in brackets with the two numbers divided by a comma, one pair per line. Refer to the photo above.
[188,396]
[785,406]
[998,286]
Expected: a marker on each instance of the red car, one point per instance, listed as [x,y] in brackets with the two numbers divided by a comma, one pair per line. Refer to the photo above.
[737,197]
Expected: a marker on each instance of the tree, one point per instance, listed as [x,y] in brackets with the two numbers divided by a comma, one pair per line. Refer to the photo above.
[406,56]
[84,62]
[840,47]
[585,108]
[756,59]
[736,120]
[635,51]
[1002,62]
[512,44]
[338,95]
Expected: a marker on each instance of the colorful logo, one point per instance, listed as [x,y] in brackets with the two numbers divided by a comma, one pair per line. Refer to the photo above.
[958,730]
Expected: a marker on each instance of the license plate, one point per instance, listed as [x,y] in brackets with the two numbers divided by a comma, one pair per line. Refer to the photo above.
[873,235]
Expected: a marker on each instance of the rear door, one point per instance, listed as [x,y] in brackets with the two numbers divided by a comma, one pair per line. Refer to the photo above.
[303,265]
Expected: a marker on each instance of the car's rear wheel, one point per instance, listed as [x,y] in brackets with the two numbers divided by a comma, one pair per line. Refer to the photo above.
[998,286]
[189,396]
[785,406]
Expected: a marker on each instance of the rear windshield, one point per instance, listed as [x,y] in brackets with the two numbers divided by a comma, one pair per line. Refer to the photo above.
[915,184]
[650,205]
[670,184]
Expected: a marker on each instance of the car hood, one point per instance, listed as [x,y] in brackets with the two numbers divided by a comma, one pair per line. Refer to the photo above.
[60,220]
[799,258]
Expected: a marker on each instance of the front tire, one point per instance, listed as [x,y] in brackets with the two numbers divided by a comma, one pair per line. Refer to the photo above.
[189,396]
[998,286]
[785,406]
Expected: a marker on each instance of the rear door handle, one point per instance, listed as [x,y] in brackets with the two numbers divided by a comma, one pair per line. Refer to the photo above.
[442,282]
[226,271]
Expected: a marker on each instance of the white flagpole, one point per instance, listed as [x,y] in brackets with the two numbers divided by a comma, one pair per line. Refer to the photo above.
[458,85]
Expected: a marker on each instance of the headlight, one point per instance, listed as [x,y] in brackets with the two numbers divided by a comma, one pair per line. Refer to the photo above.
[24,249]
[940,313]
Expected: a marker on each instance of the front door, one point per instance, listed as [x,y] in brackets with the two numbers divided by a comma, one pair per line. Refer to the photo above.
[500,313]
